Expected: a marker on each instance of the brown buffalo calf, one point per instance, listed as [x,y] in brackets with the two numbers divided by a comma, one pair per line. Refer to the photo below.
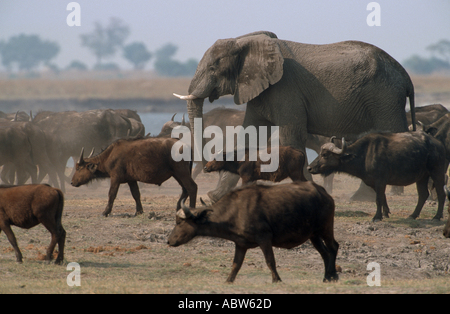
[290,164]
[26,206]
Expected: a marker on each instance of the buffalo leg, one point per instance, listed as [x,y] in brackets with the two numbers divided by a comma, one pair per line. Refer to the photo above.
[422,191]
[58,237]
[134,188]
[328,251]
[381,204]
[113,189]
[61,242]
[239,255]
[189,187]
[267,249]
[439,182]
[12,239]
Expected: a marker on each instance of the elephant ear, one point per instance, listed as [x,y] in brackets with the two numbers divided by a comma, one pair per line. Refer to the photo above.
[261,65]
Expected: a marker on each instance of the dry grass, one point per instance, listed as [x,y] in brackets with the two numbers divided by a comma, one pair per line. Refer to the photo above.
[125,254]
[431,84]
[155,88]
[150,87]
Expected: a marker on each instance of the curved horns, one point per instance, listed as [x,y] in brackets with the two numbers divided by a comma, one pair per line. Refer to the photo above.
[173,116]
[183,122]
[337,150]
[92,152]
[188,97]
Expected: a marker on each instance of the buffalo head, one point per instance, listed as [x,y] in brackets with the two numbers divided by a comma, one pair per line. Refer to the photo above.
[84,170]
[329,159]
[188,224]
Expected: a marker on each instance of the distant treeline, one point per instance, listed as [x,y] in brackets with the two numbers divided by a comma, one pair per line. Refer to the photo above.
[28,52]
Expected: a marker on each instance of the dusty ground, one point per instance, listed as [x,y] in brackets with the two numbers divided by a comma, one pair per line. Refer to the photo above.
[123,253]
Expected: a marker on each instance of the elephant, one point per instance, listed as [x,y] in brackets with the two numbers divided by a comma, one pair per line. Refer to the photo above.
[342,89]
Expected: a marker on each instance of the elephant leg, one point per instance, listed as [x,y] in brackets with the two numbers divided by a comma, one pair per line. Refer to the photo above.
[364,194]
[227,181]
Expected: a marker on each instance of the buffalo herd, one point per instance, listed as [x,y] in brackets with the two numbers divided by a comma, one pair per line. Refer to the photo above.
[280,215]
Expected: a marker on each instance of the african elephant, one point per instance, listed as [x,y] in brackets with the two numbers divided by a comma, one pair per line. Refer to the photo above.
[341,89]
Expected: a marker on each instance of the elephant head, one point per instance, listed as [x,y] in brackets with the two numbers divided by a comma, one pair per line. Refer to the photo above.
[244,67]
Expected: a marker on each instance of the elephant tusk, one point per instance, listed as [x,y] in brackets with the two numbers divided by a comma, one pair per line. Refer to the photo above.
[189,97]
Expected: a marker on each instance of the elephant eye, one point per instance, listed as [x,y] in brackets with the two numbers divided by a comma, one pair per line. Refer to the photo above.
[212,68]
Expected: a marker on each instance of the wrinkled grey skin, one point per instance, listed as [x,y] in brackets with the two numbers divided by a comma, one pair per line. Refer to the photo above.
[342,89]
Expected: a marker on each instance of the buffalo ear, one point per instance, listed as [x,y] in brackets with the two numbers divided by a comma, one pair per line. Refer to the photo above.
[202,216]
[347,157]
[261,65]
[92,167]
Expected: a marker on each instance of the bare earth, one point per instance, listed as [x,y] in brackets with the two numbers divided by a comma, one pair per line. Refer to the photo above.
[127,254]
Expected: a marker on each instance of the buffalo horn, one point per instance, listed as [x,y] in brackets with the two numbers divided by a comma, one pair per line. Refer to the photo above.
[80,160]
[173,116]
[183,122]
[202,201]
[339,151]
[92,152]
[184,212]
[188,97]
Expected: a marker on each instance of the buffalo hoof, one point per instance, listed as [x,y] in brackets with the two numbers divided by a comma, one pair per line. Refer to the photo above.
[333,278]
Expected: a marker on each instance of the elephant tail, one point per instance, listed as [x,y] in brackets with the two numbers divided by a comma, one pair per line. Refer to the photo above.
[410,95]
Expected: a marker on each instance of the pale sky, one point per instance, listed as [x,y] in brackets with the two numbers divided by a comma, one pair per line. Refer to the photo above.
[407,26]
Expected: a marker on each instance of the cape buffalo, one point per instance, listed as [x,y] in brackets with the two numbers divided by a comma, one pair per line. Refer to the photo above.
[147,160]
[26,206]
[283,215]
[380,159]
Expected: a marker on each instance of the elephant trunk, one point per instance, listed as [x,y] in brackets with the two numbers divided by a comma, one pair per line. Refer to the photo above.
[195,110]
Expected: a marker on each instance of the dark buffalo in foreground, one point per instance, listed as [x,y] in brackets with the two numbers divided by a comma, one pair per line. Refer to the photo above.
[283,215]
[398,159]
[290,164]
[26,206]
[147,160]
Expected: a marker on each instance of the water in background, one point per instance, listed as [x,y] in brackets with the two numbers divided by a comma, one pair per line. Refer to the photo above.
[153,121]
